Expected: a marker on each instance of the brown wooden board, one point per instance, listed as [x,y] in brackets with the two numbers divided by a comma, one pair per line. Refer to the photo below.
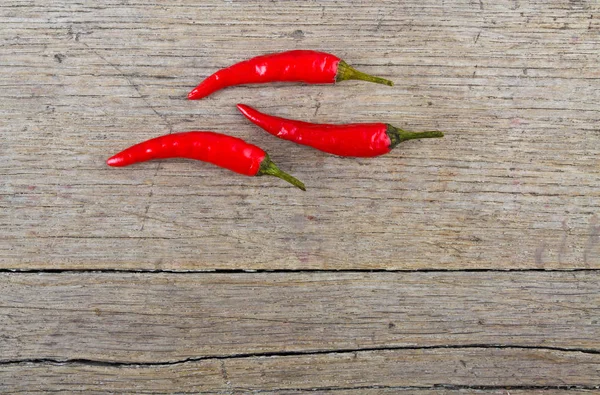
[456,253]
[416,369]
[514,184]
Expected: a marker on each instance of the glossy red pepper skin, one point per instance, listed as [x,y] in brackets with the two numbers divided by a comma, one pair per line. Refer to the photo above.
[357,140]
[311,67]
[221,150]
[224,151]
[361,140]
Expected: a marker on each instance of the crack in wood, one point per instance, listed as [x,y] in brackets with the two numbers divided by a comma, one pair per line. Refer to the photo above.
[92,362]
[450,387]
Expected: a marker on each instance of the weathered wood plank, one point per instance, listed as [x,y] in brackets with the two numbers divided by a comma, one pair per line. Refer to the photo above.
[447,390]
[515,184]
[426,369]
[144,318]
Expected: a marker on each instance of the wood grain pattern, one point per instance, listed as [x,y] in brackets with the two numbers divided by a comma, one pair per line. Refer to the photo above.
[515,184]
[425,369]
[162,318]
[295,332]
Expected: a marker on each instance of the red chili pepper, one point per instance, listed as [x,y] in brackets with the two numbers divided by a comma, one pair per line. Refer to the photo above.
[311,67]
[357,139]
[224,151]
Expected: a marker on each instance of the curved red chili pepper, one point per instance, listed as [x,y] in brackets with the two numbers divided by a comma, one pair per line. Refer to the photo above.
[358,139]
[219,149]
[311,67]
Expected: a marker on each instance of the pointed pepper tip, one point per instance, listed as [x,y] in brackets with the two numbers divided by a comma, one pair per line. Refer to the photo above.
[243,108]
[116,161]
[194,95]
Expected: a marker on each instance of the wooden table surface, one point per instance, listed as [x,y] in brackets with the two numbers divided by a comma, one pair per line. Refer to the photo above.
[464,264]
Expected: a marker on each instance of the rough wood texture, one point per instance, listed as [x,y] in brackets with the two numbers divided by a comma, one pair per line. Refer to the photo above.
[100,317]
[515,184]
[230,332]
[415,369]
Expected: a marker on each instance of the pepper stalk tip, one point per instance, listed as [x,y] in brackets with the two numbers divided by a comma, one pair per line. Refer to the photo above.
[347,72]
[398,135]
[268,167]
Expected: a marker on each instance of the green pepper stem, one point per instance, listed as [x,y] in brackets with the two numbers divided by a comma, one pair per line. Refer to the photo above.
[397,135]
[270,168]
[346,72]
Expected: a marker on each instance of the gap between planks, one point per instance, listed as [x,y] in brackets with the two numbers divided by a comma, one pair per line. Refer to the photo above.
[283,271]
